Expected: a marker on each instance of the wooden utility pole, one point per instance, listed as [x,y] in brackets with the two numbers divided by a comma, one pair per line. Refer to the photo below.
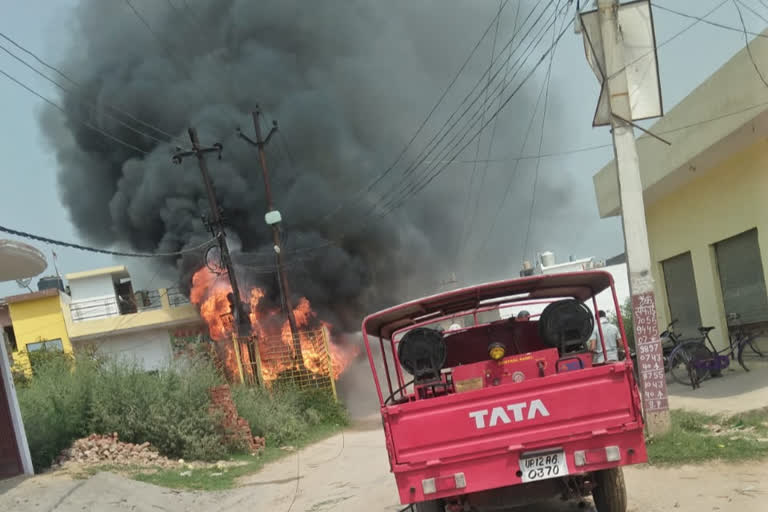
[651,370]
[242,326]
[273,219]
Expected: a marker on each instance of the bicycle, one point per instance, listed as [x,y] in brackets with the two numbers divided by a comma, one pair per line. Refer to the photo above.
[739,341]
[683,362]
[701,361]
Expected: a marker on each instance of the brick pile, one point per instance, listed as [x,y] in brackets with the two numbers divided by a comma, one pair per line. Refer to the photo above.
[235,428]
[98,449]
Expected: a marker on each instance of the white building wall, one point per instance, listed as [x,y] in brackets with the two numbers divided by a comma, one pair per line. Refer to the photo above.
[150,348]
[93,297]
[91,287]
[621,282]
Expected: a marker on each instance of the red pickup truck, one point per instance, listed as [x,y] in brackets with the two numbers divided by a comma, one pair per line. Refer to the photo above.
[491,397]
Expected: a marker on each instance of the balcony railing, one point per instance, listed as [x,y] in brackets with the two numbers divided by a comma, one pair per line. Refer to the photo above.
[140,301]
[176,297]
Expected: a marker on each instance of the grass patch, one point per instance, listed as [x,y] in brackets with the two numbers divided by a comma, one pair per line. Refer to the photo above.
[215,479]
[697,437]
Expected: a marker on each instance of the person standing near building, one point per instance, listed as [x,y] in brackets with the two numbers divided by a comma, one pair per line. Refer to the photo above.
[610,335]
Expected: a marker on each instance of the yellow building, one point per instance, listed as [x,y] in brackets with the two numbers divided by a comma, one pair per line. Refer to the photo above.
[38,322]
[101,311]
[705,198]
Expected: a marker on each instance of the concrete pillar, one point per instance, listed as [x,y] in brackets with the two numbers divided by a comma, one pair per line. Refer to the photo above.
[164,302]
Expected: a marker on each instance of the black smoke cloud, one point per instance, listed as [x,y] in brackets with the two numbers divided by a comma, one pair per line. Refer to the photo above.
[348,80]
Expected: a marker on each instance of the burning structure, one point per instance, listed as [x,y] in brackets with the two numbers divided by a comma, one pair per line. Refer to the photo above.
[270,351]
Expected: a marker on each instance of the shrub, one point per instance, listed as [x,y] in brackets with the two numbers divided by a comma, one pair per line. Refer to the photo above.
[168,408]
[55,406]
[285,415]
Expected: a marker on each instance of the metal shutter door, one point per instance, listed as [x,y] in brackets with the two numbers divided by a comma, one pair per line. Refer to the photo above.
[681,294]
[741,277]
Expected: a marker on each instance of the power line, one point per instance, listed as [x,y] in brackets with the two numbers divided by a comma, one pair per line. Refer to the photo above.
[367,189]
[57,84]
[469,222]
[541,141]
[163,44]
[415,188]
[72,81]
[478,116]
[493,135]
[708,22]
[61,109]
[746,42]
[394,198]
[696,21]
[71,245]
[390,197]
[513,176]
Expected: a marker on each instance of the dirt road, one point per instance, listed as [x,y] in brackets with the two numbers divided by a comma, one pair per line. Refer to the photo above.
[350,473]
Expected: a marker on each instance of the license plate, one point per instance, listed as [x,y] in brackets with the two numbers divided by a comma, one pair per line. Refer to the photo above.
[542,465]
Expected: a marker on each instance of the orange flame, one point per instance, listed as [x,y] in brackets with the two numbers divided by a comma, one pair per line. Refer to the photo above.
[271,331]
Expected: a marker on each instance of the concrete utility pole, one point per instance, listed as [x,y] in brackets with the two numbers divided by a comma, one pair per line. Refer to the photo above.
[273,218]
[648,345]
[216,223]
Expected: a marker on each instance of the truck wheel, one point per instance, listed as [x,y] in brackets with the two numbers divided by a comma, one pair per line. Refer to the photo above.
[609,493]
[428,506]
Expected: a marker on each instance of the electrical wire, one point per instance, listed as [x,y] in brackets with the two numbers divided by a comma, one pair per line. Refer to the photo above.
[69,79]
[367,189]
[469,222]
[512,177]
[466,245]
[71,245]
[61,109]
[163,44]
[416,188]
[708,22]
[463,146]
[394,197]
[445,130]
[93,105]
[746,42]
[532,209]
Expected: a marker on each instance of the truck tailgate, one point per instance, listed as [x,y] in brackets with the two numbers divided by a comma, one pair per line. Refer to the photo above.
[513,417]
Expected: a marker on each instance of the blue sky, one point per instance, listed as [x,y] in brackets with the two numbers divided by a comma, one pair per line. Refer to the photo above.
[29,174]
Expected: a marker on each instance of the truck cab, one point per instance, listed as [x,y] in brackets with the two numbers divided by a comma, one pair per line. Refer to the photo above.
[491,395]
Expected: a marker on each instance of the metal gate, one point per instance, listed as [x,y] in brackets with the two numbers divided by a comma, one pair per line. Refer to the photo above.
[742,280]
[10,461]
[681,294]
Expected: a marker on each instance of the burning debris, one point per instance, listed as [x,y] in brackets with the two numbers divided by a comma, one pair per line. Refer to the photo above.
[270,331]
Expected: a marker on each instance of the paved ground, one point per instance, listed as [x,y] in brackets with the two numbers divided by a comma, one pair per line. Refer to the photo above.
[354,477]
[736,391]
[350,473]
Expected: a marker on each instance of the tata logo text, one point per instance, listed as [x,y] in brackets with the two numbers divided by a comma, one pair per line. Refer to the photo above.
[519,412]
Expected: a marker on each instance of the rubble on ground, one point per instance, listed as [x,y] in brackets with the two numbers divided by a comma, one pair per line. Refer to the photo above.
[108,449]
